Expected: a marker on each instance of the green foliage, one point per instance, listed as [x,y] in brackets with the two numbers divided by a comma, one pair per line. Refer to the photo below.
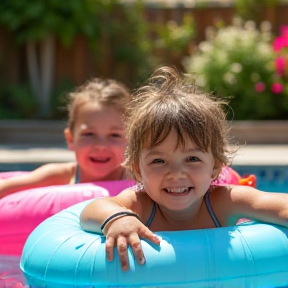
[115,32]
[251,9]
[34,20]
[173,37]
[237,62]
[123,42]
[172,40]
[17,102]
[60,99]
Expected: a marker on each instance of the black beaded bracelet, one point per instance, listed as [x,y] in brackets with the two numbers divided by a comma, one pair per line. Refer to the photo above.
[122,213]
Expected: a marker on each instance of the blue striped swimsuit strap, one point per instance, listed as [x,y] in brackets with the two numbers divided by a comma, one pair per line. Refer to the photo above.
[151,215]
[77,176]
[210,210]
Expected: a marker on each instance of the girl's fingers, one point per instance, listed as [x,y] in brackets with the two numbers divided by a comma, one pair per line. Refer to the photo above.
[149,235]
[122,251]
[136,248]
[109,246]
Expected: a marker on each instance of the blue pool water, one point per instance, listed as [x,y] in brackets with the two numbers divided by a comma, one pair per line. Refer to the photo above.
[269,178]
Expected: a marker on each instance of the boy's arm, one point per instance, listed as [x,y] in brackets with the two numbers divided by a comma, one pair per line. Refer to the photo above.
[46,175]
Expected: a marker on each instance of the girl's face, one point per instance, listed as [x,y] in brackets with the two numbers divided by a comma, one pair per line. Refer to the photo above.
[99,143]
[176,178]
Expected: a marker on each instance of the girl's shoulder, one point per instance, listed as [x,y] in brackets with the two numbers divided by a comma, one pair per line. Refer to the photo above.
[228,201]
[59,173]
[138,201]
[232,194]
[135,193]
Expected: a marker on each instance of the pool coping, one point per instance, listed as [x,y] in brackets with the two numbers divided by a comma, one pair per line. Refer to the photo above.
[246,155]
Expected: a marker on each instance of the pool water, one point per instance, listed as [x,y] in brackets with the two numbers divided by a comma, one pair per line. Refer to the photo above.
[10,273]
[269,178]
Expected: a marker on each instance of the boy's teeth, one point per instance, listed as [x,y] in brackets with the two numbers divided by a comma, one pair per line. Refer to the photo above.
[176,190]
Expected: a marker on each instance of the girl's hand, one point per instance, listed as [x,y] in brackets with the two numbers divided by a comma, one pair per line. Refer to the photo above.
[126,231]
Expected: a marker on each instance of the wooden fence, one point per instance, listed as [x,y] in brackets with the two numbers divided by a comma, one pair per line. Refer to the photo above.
[77,62]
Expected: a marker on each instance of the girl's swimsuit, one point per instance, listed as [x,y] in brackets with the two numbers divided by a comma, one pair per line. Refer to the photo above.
[208,205]
[152,214]
[77,175]
[210,210]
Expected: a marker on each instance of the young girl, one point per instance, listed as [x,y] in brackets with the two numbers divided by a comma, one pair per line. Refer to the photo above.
[95,133]
[177,144]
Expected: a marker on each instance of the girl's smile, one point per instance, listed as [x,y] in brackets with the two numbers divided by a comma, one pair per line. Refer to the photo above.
[99,142]
[176,176]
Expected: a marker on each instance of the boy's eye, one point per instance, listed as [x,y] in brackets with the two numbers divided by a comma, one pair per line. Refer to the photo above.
[158,161]
[192,159]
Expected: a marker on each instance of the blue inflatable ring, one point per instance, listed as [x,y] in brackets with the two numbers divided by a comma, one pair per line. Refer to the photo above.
[59,253]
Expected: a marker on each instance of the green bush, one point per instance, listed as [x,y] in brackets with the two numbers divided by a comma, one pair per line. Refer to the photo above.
[237,62]
[17,102]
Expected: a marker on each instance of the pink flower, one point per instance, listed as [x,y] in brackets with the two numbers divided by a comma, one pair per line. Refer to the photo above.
[259,87]
[277,88]
[284,31]
[280,65]
[279,43]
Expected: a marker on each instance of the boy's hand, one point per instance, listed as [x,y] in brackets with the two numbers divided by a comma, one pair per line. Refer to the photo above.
[126,231]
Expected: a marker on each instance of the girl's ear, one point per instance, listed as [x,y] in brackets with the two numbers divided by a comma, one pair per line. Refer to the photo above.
[137,173]
[216,170]
[69,138]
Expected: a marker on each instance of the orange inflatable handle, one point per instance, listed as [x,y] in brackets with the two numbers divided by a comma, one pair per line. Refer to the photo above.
[249,180]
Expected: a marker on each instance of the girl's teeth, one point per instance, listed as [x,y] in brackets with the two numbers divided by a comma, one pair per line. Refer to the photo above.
[176,190]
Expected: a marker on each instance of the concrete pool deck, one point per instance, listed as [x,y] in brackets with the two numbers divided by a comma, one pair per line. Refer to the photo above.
[42,141]
[246,155]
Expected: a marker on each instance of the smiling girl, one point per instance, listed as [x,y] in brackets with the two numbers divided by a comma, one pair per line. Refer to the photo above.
[177,146]
[95,133]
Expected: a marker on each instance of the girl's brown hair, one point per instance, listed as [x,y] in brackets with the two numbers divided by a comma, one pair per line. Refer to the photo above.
[106,92]
[170,101]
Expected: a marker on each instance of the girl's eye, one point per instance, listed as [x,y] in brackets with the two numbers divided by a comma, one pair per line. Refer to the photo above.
[158,161]
[87,134]
[192,159]
[116,135]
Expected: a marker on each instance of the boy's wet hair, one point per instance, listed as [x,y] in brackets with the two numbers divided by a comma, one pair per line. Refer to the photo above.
[170,101]
[106,92]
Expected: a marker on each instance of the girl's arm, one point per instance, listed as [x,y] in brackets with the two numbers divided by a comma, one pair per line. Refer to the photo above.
[247,202]
[121,230]
[46,175]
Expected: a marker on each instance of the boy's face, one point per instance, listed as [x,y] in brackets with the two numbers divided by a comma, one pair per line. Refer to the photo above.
[99,142]
[176,177]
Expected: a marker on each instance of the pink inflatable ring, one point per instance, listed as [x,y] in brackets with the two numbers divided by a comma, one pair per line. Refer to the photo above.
[22,212]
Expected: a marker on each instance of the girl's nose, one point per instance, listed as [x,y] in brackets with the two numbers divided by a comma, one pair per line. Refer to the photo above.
[176,172]
[99,142]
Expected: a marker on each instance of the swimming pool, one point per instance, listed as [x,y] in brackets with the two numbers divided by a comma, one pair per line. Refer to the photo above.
[269,178]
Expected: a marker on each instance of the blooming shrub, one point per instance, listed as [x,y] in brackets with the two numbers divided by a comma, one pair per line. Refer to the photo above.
[280,47]
[238,62]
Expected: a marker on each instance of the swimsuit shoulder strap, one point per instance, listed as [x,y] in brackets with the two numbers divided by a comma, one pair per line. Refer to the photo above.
[151,215]
[77,175]
[210,210]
